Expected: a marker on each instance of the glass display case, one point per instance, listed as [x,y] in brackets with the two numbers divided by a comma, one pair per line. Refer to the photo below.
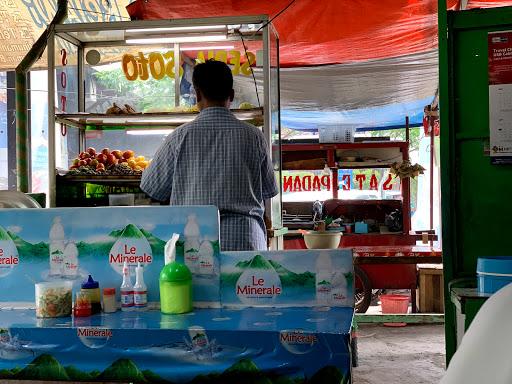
[121,87]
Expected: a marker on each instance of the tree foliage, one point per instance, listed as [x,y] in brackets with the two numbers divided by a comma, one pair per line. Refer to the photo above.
[144,95]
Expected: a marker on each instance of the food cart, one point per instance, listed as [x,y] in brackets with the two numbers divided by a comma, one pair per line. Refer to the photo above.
[109,120]
[355,182]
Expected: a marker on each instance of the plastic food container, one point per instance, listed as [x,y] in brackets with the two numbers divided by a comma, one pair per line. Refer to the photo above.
[493,272]
[82,305]
[175,288]
[322,240]
[54,299]
[109,300]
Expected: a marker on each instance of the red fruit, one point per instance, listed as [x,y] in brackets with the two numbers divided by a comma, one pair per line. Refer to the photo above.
[73,167]
[76,161]
[94,163]
[88,161]
[105,151]
[100,167]
[117,153]
[123,160]
[127,154]
[91,151]
[111,159]
[85,155]
[81,163]
[101,158]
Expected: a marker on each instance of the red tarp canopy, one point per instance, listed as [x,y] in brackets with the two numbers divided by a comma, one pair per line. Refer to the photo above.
[318,32]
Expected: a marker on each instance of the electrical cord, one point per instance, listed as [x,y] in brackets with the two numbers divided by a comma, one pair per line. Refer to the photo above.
[99,13]
[258,30]
[276,16]
[250,67]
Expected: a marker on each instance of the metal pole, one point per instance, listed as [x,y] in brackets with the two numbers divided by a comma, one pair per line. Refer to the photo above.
[176,75]
[81,95]
[22,144]
[22,128]
[407,130]
[431,175]
[406,186]
[51,121]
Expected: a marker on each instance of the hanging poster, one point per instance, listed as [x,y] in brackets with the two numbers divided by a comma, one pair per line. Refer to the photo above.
[500,96]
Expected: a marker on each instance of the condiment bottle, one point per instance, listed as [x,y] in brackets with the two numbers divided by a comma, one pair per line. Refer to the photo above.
[126,290]
[140,292]
[109,300]
[82,305]
[92,289]
[175,288]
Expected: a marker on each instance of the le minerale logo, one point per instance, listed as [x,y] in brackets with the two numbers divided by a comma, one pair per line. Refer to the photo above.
[298,337]
[9,257]
[94,332]
[131,246]
[257,287]
[259,283]
[94,337]
[297,341]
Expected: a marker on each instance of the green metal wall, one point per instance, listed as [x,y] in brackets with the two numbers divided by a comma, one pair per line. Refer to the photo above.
[476,196]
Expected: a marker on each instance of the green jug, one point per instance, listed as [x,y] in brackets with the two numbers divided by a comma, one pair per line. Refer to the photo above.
[175,288]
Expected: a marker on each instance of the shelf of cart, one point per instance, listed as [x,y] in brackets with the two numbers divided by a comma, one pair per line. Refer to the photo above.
[96,121]
[102,179]
[363,164]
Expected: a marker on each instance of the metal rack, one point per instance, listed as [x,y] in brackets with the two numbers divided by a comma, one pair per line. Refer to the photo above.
[172,35]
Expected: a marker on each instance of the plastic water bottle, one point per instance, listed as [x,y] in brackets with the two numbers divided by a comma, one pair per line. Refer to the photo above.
[323,279]
[70,263]
[205,263]
[56,247]
[126,290]
[192,244]
[140,291]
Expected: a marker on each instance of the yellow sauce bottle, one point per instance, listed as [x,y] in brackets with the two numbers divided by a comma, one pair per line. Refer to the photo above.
[91,289]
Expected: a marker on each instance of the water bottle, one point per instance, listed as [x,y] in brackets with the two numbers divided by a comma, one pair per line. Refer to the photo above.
[192,244]
[70,263]
[323,279]
[56,247]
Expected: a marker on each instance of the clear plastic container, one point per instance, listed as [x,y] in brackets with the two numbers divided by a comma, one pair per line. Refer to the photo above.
[54,299]
[109,300]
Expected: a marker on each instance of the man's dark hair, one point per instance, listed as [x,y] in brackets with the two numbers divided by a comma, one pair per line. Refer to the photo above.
[214,80]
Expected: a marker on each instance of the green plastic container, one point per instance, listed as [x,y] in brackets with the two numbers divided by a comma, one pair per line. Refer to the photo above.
[175,289]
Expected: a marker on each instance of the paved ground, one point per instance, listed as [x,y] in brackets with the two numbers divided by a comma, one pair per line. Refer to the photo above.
[414,354]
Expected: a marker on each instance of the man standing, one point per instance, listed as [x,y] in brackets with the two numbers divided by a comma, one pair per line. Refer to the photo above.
[216,160]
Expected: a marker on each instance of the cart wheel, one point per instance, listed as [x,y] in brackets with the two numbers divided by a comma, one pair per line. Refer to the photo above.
[363,294]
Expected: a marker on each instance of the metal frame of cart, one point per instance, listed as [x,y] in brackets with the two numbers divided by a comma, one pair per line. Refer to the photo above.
[94,35]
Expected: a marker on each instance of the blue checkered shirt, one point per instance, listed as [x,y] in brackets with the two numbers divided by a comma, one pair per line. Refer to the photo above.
[217,160]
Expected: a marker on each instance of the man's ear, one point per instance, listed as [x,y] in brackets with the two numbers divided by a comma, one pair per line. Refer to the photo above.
[231,95]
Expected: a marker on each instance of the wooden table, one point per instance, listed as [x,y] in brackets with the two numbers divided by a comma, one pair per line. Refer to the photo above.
[400,254]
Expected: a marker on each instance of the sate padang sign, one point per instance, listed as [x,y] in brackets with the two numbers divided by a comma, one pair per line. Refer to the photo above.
[23,21]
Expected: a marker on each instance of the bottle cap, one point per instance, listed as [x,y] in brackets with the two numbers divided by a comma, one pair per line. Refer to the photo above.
[109,291]
[90,283]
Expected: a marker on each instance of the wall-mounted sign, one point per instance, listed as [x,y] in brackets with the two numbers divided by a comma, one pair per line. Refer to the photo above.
[158,65]
[500,96]
[308,183]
